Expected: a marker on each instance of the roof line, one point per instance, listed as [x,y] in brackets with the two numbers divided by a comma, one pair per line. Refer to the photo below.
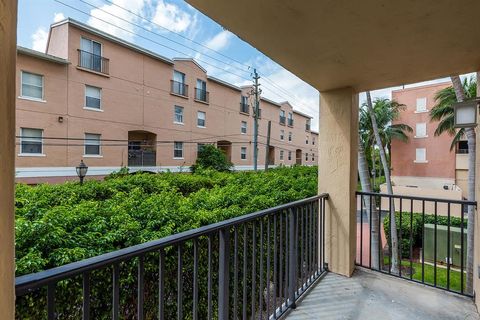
[224,83]
[192,60]
[41,55]
[95,31]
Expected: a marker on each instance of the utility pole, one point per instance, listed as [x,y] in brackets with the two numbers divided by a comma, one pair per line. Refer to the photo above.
[267,146]
[256,93]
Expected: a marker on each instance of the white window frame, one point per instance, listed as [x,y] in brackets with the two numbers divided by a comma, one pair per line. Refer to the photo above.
[204,119]
[243,127]
[420,124]
[243,153]
[281,155]
[306,140]
[22,139]
[175,114]
[282,134]
[177,149]
[86,142]
[290,136]
[424,101]
[306,156]
[22,96]
[417,153]
[85,99]
[289,155]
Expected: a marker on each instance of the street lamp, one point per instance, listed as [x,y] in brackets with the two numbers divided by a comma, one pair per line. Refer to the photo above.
[82,171]
[465,114]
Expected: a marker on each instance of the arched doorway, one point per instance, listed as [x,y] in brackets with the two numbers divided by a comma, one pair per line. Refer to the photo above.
[142,149]
[271,155]
[226,147]
[298,156]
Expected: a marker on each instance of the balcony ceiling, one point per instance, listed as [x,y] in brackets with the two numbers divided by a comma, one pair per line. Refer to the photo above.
[367,44]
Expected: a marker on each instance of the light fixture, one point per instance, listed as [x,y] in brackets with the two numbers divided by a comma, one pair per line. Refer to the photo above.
[465,114]
[82,169]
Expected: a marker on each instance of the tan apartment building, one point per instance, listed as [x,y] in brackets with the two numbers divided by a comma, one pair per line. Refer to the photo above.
[425,165]
[112,104]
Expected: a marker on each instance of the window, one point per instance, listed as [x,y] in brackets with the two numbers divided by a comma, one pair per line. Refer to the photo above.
[92,144]
[243,127]
[420,155]
[421,130]
[282,116]
[462,147]
[201,90]
[313,141]
[243,153]
[178,150]
[91,54]
[178,118]
[290,137]
[306,140]
[313,157]
[244,105]
[32,85]
[289,155]
[93,97]
[31,141]
[307,125]
[201,119]
[421,104]
[282,134]
[178,83]
[306,156]
[281,155]
[290,119]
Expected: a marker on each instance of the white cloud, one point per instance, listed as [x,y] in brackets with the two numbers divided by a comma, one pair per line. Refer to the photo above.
[171,17]
[39,39]
[59,16]
[110,12]
[220,41]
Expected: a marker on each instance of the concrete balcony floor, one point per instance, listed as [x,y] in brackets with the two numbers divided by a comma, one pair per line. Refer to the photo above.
[371,295]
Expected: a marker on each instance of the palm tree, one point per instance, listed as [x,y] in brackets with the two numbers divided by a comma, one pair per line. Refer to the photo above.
[376,127]
[444,113]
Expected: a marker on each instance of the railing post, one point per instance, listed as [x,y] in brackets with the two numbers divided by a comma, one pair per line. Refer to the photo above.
[292,258]
[223,273]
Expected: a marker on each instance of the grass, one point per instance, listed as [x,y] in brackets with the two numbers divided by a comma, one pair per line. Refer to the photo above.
[429,275]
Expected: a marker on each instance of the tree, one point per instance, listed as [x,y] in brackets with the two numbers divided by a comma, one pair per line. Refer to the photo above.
[394,263]
[444,113]
[210,157]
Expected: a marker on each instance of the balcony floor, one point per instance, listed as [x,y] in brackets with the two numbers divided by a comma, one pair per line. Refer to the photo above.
[371,295]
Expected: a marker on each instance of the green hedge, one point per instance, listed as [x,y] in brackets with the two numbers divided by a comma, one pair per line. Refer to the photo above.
[59,224]
[414,222]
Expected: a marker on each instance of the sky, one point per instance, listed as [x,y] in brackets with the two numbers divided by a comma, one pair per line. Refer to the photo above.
[173,28]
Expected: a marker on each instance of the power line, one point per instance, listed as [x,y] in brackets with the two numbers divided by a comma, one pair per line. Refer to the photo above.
[177,33]
[148,39]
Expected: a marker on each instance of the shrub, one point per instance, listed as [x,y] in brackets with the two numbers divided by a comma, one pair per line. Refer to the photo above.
[210,157]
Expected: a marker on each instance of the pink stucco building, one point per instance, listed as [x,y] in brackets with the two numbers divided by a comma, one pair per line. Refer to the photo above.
[95,97]
[425,165]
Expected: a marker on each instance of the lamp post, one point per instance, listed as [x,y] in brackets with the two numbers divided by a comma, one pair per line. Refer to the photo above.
[465,113]
[82,169]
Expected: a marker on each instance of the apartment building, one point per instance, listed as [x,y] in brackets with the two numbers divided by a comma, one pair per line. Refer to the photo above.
[425,165]
[112,104]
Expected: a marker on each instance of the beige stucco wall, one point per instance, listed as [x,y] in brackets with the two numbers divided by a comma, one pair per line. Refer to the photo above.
[337,175]
[136,96]
[8,32]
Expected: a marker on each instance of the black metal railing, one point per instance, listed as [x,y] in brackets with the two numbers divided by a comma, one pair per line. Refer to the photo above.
[282,120]
[244,108]
[201,95]
[254,266]
[92,61]
[179,88]
[142,158]
[290,122]
[431,241]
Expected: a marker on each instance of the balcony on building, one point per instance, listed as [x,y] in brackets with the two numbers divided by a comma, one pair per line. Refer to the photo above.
[93,62]
[282,120]
[244,108]
[178,88]
[201,95]
[290,122]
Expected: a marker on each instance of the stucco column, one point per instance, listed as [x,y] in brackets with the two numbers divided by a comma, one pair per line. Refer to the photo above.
[8,53]
[337,175]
